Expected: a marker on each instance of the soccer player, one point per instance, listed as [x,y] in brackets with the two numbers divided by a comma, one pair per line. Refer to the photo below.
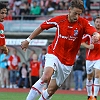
[3,12]
[62,51]
[92,62]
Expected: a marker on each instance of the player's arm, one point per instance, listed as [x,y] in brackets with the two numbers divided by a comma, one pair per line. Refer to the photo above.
[24,44]
[88,46]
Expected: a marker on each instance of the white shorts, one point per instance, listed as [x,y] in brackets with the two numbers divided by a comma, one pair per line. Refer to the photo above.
[61,71]
[90,65]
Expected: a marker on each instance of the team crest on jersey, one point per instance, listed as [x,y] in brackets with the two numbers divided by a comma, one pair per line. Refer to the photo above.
[1,31]
[75,32]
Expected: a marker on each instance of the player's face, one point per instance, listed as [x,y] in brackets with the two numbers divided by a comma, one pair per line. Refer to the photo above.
[74,14]
[97,23]
[3,13]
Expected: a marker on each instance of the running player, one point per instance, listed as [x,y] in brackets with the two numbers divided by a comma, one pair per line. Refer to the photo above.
[62,52]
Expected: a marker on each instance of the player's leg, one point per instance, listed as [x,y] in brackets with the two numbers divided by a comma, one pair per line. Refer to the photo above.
[96,83]
[89,81]
[52,87]
[96,79]
[38,86]
[89,84]
[57,79]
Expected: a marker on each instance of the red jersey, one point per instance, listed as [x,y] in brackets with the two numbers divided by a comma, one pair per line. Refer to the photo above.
[68,37]
[2,36]
[92,54]
[35,66]
[14,61]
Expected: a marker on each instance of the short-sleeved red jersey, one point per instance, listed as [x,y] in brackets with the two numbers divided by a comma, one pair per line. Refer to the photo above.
[2,36]
[68,37]
[35,67]
[93,54]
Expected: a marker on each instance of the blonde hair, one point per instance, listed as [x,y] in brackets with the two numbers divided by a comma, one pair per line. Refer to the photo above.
[77,4]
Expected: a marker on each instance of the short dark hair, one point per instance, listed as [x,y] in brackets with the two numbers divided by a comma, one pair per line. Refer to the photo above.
[97,17]
[77,4]
[2,5]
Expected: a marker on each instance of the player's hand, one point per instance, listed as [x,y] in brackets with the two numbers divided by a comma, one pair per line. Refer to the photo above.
[5,49]
[24,45]
[91,46]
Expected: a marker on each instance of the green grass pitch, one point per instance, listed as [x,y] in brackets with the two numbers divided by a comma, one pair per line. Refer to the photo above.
[22,96]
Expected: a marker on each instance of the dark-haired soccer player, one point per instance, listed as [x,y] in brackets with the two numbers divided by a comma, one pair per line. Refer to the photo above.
[3,12]
[62,51]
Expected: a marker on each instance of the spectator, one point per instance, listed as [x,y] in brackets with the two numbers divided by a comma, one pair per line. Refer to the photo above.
[23,76]
[42,57]
[87,4]
[34,69]
[44,6]
[60,5]
[35,10]
[9,16]
[13,62]
[78,71]
[3,70]
[42,60]
[51,7]
[66,5]
[25,11]
[17,10]
[87,15]
[31,55]
[11,3]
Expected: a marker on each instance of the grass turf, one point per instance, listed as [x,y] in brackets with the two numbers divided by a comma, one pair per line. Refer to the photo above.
[22,96]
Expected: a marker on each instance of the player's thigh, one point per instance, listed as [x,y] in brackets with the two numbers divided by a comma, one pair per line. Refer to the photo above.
[48,71]
[97,68]
[89,66]
[49,67]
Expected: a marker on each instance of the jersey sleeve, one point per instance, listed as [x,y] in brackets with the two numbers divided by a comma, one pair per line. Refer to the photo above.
[85,38]
[50,23]
[89,29]
[2,36]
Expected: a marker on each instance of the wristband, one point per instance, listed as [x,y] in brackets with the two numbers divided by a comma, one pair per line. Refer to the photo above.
[28,39]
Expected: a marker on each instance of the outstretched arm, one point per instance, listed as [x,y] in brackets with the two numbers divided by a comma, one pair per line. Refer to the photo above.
[89,46]
[24,44]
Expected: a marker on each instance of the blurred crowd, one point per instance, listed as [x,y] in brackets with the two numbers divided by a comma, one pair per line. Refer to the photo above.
[16,74]
[34,7]
[31,9]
